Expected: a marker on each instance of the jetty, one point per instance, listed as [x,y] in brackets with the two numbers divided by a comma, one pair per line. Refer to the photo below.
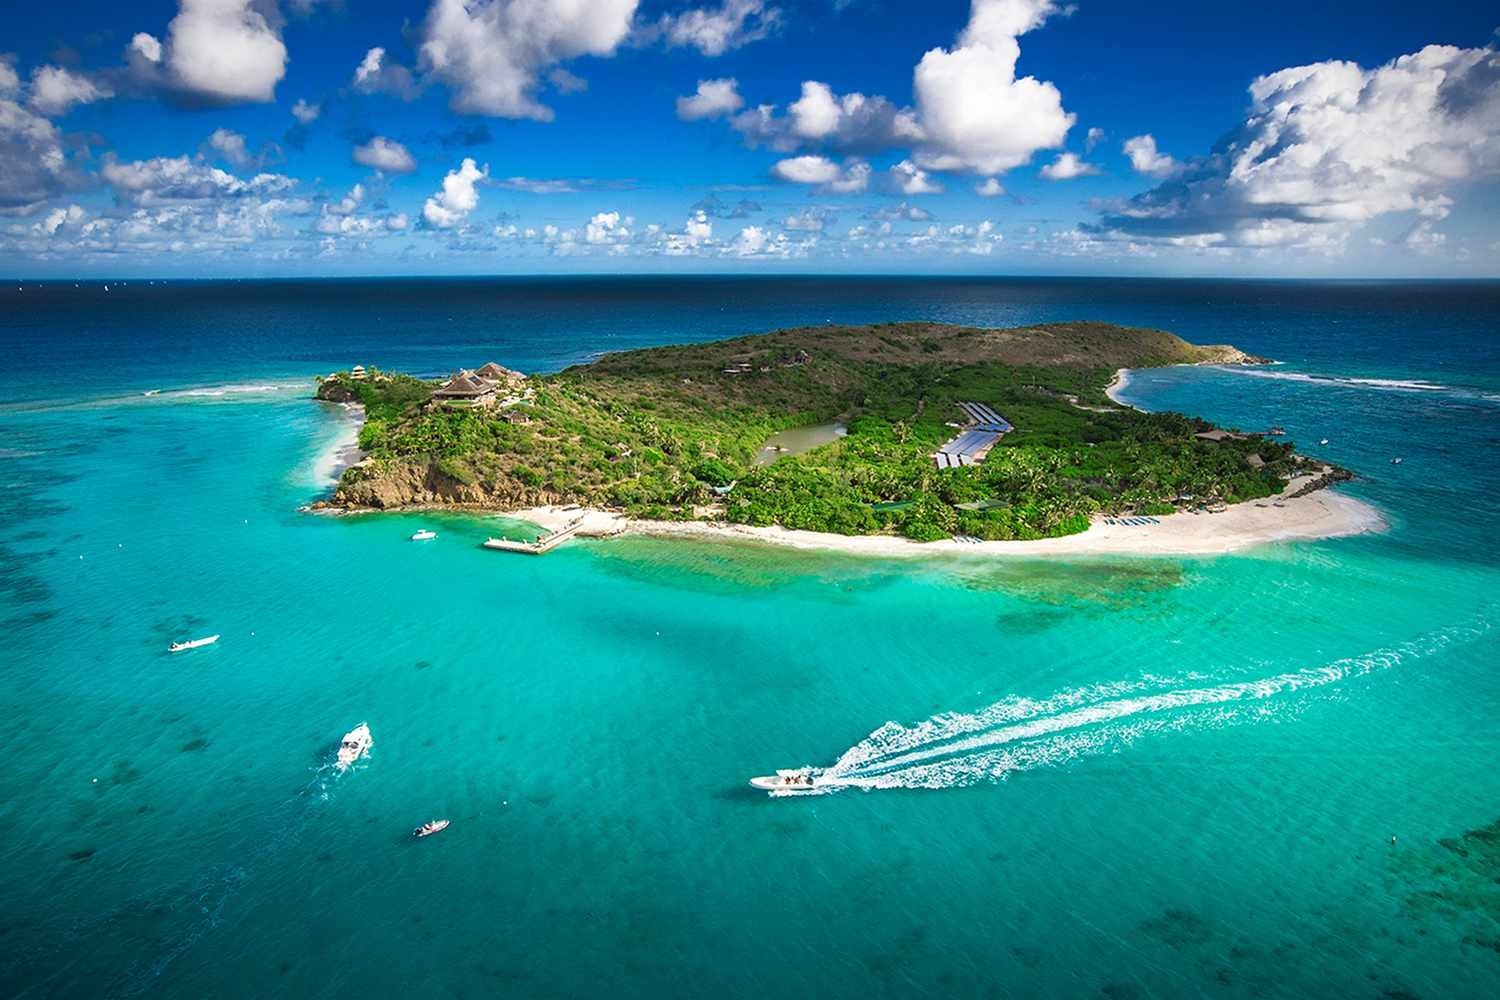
[542,545]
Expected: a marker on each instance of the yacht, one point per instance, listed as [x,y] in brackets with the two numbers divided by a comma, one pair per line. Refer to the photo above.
[355,744]
[424,536]
[789,781]
[207,640]
[430,827]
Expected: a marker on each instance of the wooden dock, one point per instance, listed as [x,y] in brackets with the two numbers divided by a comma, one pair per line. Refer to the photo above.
[542,545]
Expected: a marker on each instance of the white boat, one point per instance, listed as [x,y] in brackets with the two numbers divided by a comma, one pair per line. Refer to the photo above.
[790,781]
[430,827]
[207,640]
[355,744]
[1395,461]
[424,536]
[1323,441]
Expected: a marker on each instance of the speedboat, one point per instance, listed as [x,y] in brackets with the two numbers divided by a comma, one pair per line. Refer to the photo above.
[207,640]
[430,827]
[789,781]
[355,744]
[424,536]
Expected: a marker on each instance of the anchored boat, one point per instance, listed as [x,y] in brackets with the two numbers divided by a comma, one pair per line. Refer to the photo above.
[430,827]
[424,536]
[207,640]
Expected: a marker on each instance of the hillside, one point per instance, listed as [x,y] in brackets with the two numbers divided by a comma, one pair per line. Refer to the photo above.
[654,431]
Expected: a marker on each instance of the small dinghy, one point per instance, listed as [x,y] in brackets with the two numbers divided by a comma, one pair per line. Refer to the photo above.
[355,744]
[430,827]
[207,640]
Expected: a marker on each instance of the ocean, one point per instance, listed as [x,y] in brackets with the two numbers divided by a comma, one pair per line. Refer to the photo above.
[1264,774]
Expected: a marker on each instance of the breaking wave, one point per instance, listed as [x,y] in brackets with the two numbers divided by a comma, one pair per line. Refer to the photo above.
[1018,734]
[1380,384]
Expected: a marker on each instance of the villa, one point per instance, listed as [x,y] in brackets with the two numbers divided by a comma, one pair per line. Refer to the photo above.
[478,388]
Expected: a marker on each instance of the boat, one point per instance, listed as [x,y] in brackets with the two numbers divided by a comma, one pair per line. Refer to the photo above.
[207,640]
[1395,461]
[1323,441]
[423,536]
[355,744]
[430,827]
[1277,432]
[790,781]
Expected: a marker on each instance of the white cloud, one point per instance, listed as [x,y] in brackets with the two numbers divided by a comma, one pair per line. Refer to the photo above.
[490,52]
[850,178]
[306,113]
[147,46]
[751,240]
[1066,167]
[607,227]
[56,91]
[397,222]
[990,187]
[231,147]
[386,155]
[1145,158]
[377,73]
[712,99]
[715,31]
[10,82]
[163,179]
[809,220]
[848,123]
[1329,146]
[222,51]
[904,211]
[458,197]
[33,165]
[539,185]
[1094,137]
[976,115]
[911,179]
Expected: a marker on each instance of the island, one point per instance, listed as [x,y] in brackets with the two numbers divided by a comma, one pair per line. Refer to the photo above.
[914,431]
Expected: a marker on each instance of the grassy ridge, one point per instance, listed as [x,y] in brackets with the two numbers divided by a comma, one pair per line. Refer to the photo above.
[651,431]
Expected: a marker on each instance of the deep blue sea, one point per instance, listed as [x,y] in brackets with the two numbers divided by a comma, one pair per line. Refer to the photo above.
[1264,774]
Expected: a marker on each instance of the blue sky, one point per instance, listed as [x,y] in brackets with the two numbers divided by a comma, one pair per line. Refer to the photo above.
[256,137]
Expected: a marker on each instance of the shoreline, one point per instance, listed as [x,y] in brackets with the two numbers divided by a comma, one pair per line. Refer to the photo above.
[1314,516]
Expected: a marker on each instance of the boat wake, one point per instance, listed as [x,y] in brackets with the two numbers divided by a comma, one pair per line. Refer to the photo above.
[1019,734]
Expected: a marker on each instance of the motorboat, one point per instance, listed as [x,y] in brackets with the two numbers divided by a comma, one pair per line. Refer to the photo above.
[1323,441]
[1395,461]
[423,536]
[207,640]
[430,827]
[355,744]
[790,781]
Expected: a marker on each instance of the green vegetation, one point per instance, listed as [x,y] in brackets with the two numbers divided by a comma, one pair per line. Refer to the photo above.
[653,432]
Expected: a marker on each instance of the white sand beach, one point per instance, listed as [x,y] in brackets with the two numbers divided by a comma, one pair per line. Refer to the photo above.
[1322,514]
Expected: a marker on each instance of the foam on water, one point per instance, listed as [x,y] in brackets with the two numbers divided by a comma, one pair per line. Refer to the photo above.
[1016,734]
[1347,381]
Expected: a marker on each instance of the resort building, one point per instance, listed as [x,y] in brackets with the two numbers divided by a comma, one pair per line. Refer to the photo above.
[478,388]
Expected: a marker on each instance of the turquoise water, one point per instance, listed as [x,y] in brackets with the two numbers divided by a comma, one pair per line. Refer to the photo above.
[1122,777]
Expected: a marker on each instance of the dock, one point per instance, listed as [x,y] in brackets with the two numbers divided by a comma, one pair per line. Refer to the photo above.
[542,545]
[974,443]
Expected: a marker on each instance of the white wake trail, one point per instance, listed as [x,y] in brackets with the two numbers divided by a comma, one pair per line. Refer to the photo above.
[1018,733]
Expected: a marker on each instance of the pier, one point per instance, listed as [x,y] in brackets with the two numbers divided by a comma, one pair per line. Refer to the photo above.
[542,545]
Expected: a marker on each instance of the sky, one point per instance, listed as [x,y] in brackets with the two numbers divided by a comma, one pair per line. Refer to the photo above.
[201,138]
